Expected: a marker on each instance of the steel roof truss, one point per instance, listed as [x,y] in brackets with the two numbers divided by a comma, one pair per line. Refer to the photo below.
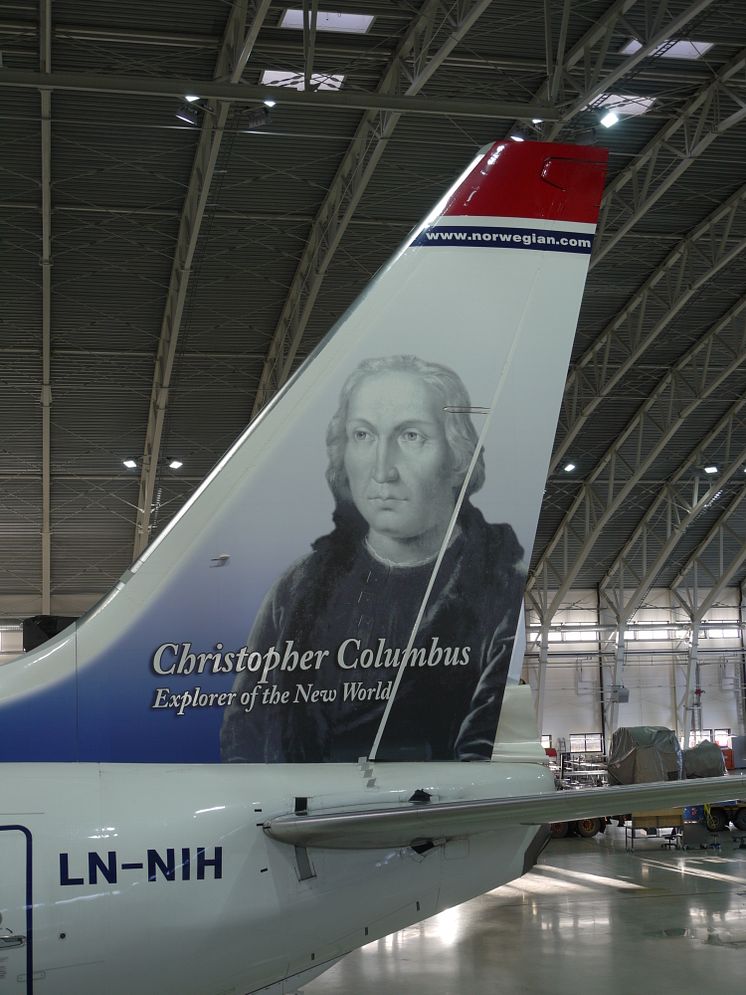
[422,50]
[728,541]
[681,501]
[696,376]
[234,53]
[684,272]
[676,147]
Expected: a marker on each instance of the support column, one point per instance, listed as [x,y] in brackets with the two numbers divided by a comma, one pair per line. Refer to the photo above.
[620,656]
[543,660]
[692,707]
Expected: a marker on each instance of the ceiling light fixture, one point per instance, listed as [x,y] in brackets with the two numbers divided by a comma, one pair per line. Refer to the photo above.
[191,97]
[131,464]
[569,467]
[175,464]
[253,117]
[610,119]
[710,469]
[189,115]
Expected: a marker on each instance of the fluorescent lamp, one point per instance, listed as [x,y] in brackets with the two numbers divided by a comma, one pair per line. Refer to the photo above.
[671,50]
[254,117]
[710,469]
[285,77]
[131,464]
[569,467]
[609,120]
[188,115]
[175,464]
[329,20]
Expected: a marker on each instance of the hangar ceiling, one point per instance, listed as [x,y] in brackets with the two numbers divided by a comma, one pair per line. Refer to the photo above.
[161,277]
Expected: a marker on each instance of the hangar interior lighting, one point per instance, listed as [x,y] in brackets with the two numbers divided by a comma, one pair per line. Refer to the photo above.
[569,467]
[188,114]
[285,77]
[131,464]
[710,468]
[253,117]
[609,120]
[175,464]
[329,20]
[191,97]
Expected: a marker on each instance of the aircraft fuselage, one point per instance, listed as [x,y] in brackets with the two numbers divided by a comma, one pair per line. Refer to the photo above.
[160,878]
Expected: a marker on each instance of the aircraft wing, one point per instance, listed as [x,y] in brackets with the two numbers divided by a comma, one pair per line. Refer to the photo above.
[417,822]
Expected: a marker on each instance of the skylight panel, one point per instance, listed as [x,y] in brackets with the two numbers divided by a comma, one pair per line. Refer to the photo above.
[329,20]
[285,77]
[624,104]
[672,50]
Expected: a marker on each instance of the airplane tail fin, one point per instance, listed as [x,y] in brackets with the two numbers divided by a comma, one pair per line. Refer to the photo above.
[348,579]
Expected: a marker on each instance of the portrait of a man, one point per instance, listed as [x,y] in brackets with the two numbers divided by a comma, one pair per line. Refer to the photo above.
[400,446]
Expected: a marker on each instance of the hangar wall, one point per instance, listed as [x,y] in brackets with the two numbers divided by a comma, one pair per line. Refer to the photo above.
[675,680]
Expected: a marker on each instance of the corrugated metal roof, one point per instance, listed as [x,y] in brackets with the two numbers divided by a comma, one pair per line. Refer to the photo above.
[120,169]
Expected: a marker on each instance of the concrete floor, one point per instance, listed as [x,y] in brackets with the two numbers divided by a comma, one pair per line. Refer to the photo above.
[589,918]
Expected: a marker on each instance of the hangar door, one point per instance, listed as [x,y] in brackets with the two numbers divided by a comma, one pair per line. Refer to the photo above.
[16,908]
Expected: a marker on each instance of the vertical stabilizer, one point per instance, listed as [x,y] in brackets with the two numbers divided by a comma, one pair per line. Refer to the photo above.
[348,579]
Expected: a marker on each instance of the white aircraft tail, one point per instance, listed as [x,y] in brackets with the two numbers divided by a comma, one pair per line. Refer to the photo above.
[347,581]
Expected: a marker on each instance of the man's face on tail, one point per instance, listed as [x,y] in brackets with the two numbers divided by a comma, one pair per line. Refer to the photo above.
[398,463]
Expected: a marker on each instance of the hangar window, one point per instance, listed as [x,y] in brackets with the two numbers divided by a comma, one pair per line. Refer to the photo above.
[329,20]
[681,49]
[719,736]
[586,742]
[286,77]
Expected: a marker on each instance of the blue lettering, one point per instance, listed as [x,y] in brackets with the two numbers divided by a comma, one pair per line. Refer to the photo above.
[65,871]
[216,863]
[167,867]
[108,869]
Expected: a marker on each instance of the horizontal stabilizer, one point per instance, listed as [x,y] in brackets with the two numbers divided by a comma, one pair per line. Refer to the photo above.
[415,823]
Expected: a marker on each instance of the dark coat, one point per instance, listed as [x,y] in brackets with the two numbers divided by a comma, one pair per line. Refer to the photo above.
[443,710]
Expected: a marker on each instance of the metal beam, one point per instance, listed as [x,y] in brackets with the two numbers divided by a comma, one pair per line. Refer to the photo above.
[559,64]
[649,312]
[677,505]
[234,53]
[599,77]
[45,65]
[707,116]
[160,86]
[693,379]
[725,543]
[419,54]
[357,51]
